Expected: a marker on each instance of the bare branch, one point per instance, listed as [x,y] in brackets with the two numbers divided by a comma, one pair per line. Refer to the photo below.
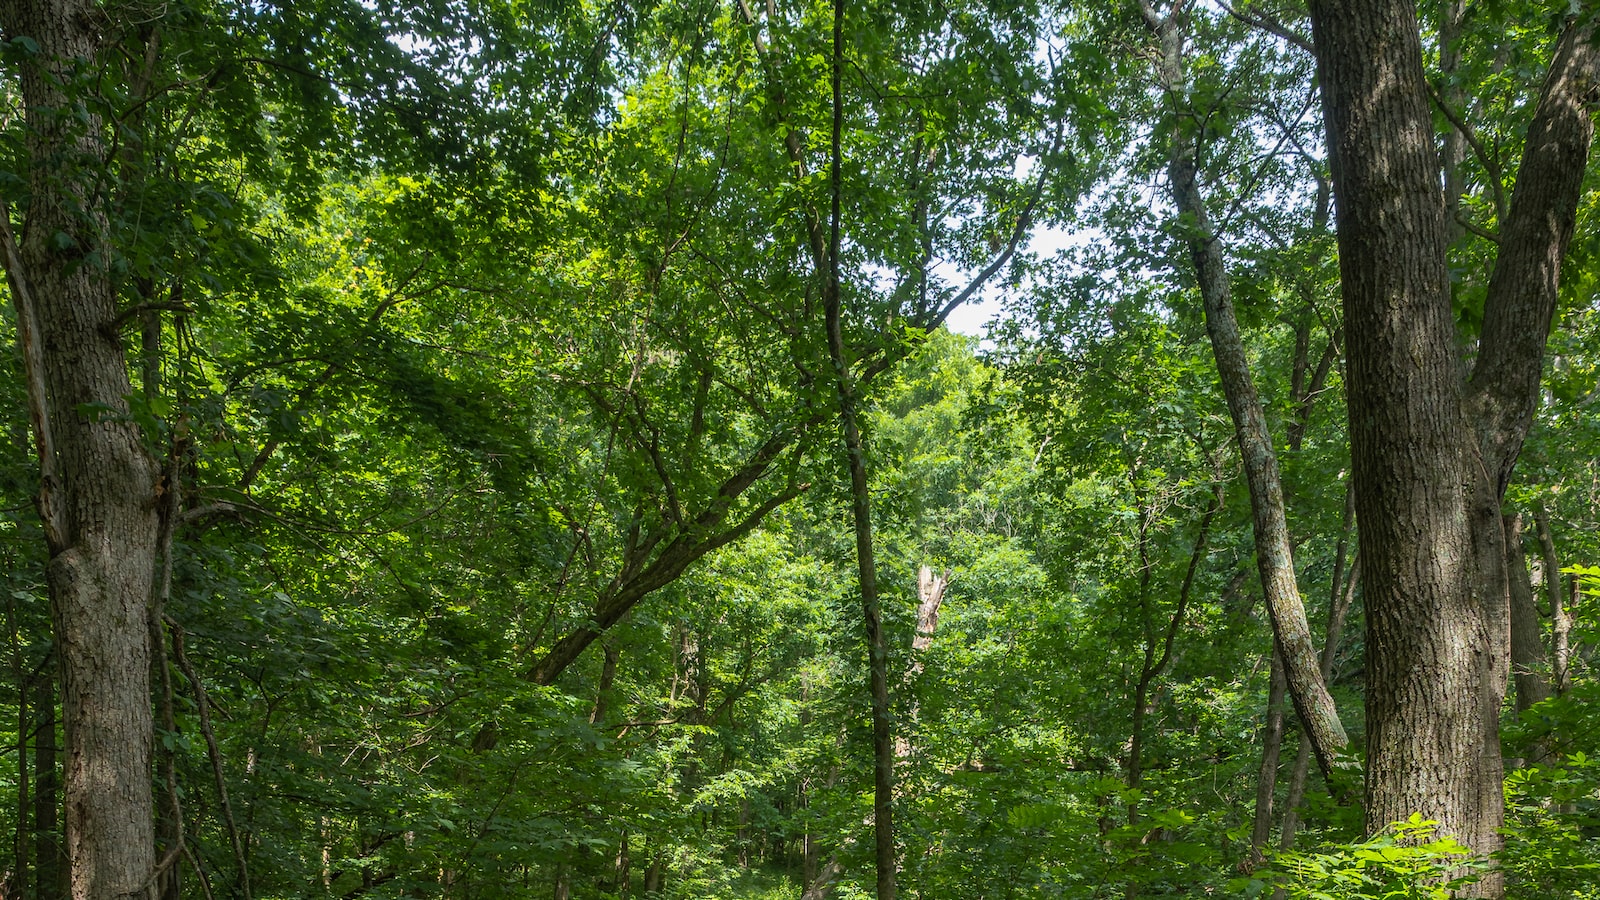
[1270,25]
[1485,159]
[51,513]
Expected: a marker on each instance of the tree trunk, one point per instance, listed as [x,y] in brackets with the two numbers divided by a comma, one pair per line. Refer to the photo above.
[1530,664]
[860,503]
[1560,622]
[608,675]
[22,854]
[1430,702]
[1271,750]
[1453,143]
[1431,456]
[820,886]
[99,486]
[655,876]
[622,877]
[49,862]
[1330,651]
[1274,558]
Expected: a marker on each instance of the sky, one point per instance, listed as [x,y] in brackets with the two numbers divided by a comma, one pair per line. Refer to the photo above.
[973,316]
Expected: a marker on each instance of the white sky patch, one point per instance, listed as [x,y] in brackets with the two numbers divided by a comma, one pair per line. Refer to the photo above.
[976,315]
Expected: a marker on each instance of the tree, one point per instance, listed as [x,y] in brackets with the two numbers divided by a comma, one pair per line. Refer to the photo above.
[99,484]
[1432,452]
[1274,556]
[883,754]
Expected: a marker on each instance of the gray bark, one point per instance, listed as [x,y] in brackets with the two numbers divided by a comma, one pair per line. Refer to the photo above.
[1274,557]
[97,500]
[1432,455]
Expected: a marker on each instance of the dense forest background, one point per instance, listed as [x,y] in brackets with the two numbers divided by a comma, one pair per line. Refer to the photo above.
[485,448]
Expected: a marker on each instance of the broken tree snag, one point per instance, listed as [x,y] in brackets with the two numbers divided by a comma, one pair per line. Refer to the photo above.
[930,594]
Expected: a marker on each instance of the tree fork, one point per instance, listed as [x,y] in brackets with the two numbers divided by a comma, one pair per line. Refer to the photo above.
[1431,455]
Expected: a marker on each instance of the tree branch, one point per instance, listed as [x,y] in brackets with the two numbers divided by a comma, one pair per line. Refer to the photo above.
[1485,159]
[52,514]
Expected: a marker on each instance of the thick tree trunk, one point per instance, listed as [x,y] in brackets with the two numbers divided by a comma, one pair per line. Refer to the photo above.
[1430,702]
[99,491]
[1431,455]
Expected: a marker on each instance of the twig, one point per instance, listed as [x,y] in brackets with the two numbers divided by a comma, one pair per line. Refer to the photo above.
[113,327]
[1270,26]
[1490,167]
[160,592]
[1018,231]
[214,753]
[205,882]
[1477,229]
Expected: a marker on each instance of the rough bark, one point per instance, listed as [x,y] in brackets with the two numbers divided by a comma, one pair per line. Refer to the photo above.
[1503,391]
[1432,455]
[100,519]
[1427,697]
[1274,557]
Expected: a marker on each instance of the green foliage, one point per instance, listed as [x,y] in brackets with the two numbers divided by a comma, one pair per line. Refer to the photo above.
[1406,861]
[466,314]
[1551,852]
